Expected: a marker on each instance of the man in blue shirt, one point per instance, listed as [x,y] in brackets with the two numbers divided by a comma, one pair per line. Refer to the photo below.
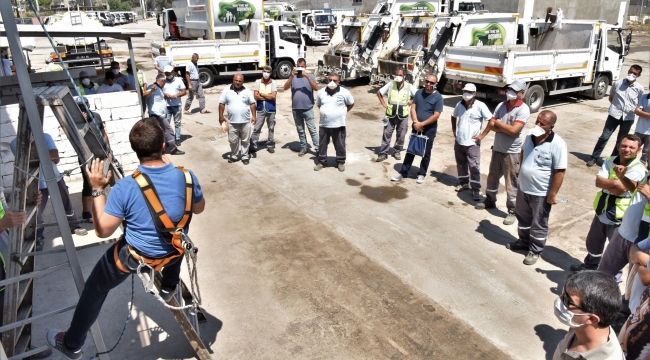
[303,84]
[425,111]
[127,203]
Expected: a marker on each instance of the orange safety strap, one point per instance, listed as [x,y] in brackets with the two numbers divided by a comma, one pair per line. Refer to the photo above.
[116,257]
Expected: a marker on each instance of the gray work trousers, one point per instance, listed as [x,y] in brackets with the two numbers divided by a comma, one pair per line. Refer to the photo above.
[67,205]
[197,89]
[616,255]
[532,214]
[338,138]
[239,136]
[269,118]
[468,157]
[401,125]
[506,165]
[596,238]
[645,141]
[170,139]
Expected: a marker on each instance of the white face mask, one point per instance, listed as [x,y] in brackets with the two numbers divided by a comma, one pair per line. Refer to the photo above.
[332,85]
[511,95]
[631,77]
[116,71]
[399,79]
[537,131]
[266,75]
[85,82]
[468,96]
[565,315]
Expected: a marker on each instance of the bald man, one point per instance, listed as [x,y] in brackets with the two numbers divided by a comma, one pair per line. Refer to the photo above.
[241,117]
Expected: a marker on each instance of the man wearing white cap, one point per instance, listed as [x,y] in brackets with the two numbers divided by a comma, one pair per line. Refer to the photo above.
[51,65]
[466,122]
[509,120]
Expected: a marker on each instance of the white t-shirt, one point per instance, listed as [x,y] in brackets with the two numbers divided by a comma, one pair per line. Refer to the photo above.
[103,88]
[470,121]
[333,108]
[172,88]
[643,124]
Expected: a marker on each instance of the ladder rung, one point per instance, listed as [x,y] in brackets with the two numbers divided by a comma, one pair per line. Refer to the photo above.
[23,313]
[36,318]
[30,212]
[23,288]
[22,343]
[28,246]
[33,274]
[33,174]
[29,353]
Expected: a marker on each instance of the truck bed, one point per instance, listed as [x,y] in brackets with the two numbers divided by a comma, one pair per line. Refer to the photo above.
[212,51]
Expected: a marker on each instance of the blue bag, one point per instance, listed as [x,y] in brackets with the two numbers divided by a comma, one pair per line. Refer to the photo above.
[417,144]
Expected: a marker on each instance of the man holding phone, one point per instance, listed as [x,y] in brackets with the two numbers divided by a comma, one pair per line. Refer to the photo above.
[302,85]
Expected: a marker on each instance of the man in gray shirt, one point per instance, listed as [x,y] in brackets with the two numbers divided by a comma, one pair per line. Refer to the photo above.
[509,120]
[242,115]
[157,105]
[194,85]
[624,97]
[303,84]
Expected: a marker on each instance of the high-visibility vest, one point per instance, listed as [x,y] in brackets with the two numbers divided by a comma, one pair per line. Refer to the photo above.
[88,91]
[644,224]
[614,206]
[140,77]
[398,105]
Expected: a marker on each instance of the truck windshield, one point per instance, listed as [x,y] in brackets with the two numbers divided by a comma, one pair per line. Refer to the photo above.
[323,19]
[289,33]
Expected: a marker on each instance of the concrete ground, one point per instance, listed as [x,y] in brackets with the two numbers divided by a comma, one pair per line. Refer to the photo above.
[327,265]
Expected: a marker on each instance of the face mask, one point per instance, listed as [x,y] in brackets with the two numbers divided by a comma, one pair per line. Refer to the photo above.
[467,96]
[399,79]
[170,77]
[332,85]
[537,131]
[116,71]
[266,75]
[85,82]
[565,315]
[511,95]
[631,77]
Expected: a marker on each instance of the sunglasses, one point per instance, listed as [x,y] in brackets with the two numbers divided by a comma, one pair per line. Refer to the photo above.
[566,299]
[430,82]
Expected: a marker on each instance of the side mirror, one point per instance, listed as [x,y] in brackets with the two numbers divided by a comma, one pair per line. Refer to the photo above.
[628,39]
[158,21]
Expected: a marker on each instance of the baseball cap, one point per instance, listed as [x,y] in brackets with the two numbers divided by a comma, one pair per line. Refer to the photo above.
[469,87]
[168,68]
[48,60]
[83,73]
[81,99]
[517,85]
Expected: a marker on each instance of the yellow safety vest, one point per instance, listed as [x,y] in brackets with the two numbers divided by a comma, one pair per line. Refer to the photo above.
[614,206]
[82,89]
[398,105]
[140,77]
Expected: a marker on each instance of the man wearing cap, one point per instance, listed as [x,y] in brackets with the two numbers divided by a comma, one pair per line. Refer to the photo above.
[173,90]
[466,122]
[109,84]
[51,65]
[400,94]
[86,86]
[194,85]
[509,120]
[120,79]
[157,105]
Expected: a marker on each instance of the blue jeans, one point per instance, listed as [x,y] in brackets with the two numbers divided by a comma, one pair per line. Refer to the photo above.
[177,112]
[610,126]
[302,117]
[424,164]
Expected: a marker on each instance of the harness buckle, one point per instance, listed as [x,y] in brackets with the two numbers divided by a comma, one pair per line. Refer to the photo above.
[148,284]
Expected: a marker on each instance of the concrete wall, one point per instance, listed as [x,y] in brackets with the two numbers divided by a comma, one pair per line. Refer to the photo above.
[10,90]
[119,111]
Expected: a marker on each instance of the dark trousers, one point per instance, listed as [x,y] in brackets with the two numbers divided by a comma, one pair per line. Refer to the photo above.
[424,163]
[532,215]
[337,135]
[468,157]
[170,138]
[610,126]
[105,277]
[616,255]
[596,238]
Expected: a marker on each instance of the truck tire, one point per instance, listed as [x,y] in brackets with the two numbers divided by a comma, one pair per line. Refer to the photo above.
[206,77]
[534,98]
[600,87]
[283,69]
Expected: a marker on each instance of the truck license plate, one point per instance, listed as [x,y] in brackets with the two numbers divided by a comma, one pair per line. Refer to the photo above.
[481,95]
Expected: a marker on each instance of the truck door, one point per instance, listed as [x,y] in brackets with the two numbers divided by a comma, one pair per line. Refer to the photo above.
[612,52]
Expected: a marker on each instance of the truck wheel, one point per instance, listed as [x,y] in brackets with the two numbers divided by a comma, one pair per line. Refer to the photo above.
[206,78]
[283,70]
[600,88]
[534,98]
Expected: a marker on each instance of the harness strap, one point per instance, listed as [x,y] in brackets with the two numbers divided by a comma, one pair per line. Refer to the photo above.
[116,257]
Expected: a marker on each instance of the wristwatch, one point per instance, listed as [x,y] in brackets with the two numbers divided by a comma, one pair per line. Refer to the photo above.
[97,193]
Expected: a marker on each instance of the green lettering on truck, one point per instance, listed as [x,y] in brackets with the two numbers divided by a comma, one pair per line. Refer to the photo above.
[418,6]
[236,11]
[492,34]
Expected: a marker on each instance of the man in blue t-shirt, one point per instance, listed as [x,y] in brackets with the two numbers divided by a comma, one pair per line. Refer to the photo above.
[126,203]
[303,84]
[425,111]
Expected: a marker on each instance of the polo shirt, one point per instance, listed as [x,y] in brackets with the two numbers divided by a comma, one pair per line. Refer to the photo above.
[103,88]
[172,88]
[161,61]
[333,107]
[626,98]
[469,121]
[540,162]
[519,113]
[302,95]
[239,110]
[41,176]
[156,102]
[193,70]
[265,88]
[632,173]
[629,228]
[611,350]
[426,104]
[643,124]
[125,201]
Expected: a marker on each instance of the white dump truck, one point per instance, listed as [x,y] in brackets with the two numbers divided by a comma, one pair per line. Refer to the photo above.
[261,43]
[316,26]
[580,56]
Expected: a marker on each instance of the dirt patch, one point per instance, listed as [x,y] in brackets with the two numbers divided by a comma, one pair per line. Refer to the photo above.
[380,193]
[365,116]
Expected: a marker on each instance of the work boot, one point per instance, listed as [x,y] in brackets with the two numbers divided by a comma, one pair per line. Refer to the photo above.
[319,167]
[591,162]
[381,157]
[271,150]
[397,156]
[487,204]
[167,293]
[531,258]
[245,161]
[510,219]
[56,340]
[79,231]
[302,152]
[341,167]
[517,246]
[461,187]
[476,195]
[177,152]
[582,267]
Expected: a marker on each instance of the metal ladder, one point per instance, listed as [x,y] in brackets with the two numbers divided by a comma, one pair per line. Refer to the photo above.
[76,20]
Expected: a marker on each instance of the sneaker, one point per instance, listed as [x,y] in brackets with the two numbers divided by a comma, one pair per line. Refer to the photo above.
[397,177]
[79,231]
[168,293]
[531,258]
[420,179]
[55,340]
[462,187]
[510,219]
[271,150]
[177,152]
[302,152]
[245,161]
[319,167]
[381,158]
[476,195]
[397,156]
[582,267]
[591,162]
[487,204]
[517,246]
[341,167]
